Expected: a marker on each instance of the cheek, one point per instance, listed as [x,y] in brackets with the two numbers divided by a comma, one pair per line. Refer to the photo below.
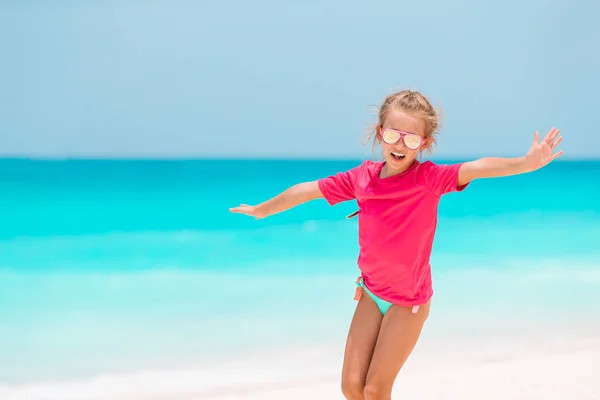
[386,148]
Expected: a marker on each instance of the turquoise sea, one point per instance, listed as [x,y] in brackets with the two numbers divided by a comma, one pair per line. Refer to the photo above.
[113,266]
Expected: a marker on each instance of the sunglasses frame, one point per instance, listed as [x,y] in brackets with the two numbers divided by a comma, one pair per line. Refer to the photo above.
[402,135]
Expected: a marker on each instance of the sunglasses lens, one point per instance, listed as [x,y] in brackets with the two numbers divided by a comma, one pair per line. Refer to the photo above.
[390,137]
[412,141]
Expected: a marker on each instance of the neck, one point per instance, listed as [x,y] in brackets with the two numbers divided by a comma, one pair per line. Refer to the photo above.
[387,171]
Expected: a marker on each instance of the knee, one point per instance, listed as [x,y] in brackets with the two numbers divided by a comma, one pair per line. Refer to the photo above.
[377,391]
[353,388]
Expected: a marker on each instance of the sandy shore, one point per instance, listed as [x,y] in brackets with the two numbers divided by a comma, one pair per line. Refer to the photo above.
[561,367]
[561,376]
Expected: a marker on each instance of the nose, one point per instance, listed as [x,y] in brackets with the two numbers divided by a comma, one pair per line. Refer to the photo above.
[399,145]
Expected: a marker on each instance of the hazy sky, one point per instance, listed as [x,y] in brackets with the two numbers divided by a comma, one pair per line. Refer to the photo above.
[291,79]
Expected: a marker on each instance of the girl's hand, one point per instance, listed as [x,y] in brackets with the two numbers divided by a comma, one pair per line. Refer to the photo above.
[540,154]
[252,211]
[291,197]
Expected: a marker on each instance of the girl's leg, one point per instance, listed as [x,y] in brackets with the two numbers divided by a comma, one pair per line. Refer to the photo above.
[400,330]
[359,347]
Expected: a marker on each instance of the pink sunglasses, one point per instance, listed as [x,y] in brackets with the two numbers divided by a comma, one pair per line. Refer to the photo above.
[392,136]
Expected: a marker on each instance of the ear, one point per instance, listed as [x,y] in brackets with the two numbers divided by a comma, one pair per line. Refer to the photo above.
[378,132]
[427,143]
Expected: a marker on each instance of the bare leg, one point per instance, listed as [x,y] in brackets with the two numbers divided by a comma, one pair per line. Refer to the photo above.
[400,330]
[359,347]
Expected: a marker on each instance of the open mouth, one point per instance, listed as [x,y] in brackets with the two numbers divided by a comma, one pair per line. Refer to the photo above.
[397,156]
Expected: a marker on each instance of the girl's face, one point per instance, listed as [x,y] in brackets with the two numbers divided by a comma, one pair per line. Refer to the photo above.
[398,156]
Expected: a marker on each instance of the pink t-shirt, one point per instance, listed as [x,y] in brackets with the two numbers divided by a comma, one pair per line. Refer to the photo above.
[397,222]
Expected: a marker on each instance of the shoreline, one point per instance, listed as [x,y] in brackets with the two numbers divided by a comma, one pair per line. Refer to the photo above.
[555,365]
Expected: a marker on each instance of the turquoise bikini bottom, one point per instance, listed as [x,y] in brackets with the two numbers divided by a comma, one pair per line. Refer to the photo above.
[382,304]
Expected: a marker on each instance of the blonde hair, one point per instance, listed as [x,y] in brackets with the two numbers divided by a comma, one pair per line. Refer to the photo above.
[410,102]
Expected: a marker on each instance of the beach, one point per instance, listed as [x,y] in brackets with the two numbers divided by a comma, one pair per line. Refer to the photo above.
[131,280]
[130,130]
[546,367]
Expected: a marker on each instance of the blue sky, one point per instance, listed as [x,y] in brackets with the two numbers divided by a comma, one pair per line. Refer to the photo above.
[291,79]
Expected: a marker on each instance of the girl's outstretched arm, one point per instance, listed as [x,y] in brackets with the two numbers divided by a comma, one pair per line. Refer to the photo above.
[291,197]
[538,156]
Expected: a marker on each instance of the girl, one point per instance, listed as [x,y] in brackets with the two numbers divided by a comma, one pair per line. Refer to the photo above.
[397,199]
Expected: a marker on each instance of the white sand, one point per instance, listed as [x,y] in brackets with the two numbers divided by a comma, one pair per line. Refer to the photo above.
[546,367]
[561,376]
[566,368]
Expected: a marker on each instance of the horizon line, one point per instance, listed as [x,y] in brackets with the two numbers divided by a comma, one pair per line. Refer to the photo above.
[259,158]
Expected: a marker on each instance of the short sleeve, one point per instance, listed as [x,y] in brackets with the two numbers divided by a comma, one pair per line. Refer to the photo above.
[443,178]
[339,187]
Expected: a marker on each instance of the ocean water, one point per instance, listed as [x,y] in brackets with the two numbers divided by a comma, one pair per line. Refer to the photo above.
[117,266]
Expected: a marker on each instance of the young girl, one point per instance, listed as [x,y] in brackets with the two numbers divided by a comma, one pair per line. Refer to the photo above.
[398,200]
